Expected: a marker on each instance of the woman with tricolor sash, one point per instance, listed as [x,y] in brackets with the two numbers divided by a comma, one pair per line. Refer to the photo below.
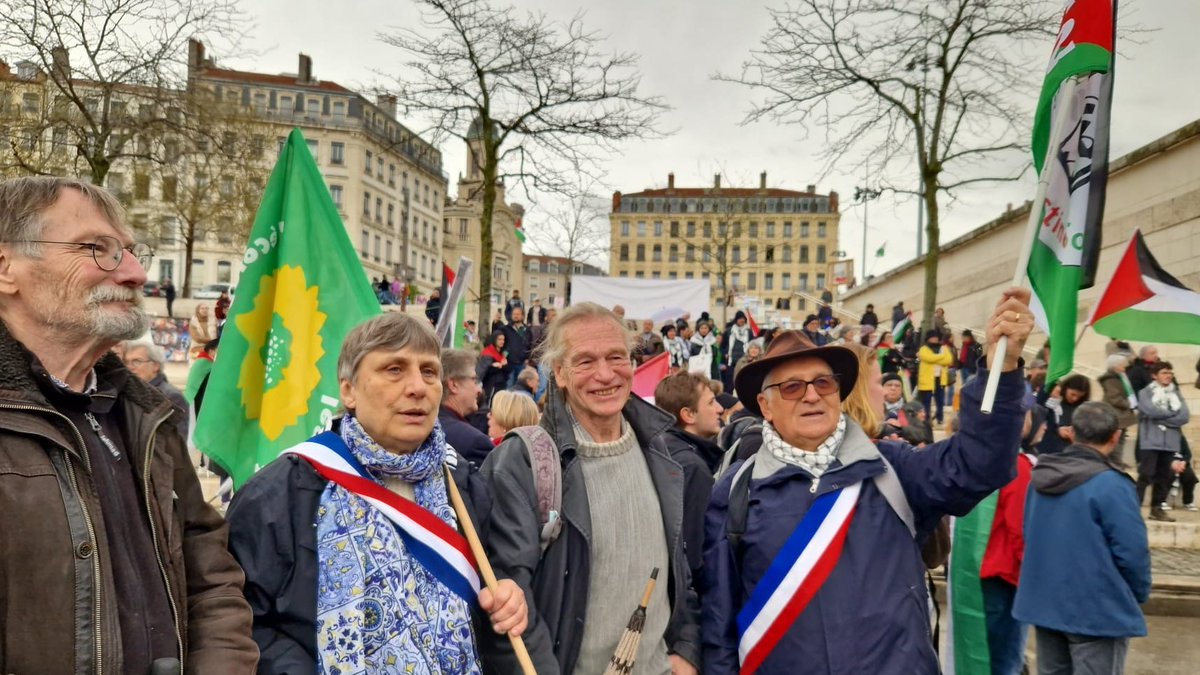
[812,559]
[351,547]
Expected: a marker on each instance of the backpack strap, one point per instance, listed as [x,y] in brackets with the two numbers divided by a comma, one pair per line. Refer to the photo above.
[547,479]
[889,486]
[738,511]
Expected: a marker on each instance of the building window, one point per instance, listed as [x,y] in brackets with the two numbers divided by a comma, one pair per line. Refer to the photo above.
[224,272]
[337,153]
[804,229]
[770,254]
[736,280]
[787,229]
[552,283]
[387,248]
[786,281]
[803,254]
[392,175]
[689,275]
[623,274]
[804,281]
[753,230]
[378,245]
[379,209]
[820,229]
[366,242]
[672,275]
[366,204]
[768,282]
[656,274]
[787,253]
[657,255]
[707,253]
[821,253]
[673,253]
[691,228]
[771,230]
[170,188]
[624,228]
[641,228]
[689,254]
[391,221]
[674,228]
[367,163]
[315,148]
[335,191]
[379,168]
[737,254]
[641,253]
[820,281]
[752,281]
[753,253]
[639,275]
[707,230]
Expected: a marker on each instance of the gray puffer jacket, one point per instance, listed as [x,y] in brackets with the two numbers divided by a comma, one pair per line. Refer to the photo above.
[1160,429]
[556,582]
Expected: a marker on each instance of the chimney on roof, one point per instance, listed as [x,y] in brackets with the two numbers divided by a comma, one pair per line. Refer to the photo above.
[671,181]
[762,181]
[60,61]
[717,181]
[616,201]
[304,74]
[833,201]
[388,103]
[195,57]
[812,189]
[5,71]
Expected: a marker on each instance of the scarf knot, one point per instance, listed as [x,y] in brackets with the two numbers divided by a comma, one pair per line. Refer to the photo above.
[816,463]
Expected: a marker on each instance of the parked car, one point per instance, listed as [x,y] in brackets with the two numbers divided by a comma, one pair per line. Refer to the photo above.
[151,289]
[212,291]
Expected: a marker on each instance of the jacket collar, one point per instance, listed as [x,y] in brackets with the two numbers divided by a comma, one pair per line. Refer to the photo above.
[647,421]
[857,454]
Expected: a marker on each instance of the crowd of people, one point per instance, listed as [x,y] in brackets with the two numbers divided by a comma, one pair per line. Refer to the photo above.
[787,490]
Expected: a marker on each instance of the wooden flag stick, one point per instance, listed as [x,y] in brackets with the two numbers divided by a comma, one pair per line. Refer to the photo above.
[485,567]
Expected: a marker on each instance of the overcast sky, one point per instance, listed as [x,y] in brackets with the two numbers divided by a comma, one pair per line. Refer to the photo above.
[682,43]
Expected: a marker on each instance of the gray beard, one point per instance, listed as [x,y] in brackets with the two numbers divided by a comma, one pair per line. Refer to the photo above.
[95,322]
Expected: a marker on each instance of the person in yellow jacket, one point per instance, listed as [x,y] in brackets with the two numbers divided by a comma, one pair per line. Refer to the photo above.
[933,373]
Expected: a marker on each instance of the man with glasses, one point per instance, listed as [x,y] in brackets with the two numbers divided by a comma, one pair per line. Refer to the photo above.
[461,390]
[812,556]
[146,360]
[615,501]
[111,560]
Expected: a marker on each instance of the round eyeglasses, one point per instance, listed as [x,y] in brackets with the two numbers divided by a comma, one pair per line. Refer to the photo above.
[107,251]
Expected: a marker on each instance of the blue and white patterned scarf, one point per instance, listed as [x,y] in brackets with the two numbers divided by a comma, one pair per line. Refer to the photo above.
[379,611]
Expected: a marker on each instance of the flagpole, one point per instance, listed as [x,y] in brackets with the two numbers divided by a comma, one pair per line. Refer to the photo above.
[1031,229]
[485,567]
[1081,332]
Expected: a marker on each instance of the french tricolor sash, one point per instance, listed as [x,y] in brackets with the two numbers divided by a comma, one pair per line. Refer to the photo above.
[431,542]
[796,574]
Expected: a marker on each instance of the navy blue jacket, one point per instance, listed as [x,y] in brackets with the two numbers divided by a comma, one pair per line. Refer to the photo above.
[872,614]
[1087,561]
[463,437]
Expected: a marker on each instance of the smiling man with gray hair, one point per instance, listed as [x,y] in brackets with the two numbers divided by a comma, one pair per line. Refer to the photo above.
[111,559]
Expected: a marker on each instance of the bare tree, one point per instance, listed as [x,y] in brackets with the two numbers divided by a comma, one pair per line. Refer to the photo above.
[112,72]
[544,98]
[943,85]
[577,230]
[218,177]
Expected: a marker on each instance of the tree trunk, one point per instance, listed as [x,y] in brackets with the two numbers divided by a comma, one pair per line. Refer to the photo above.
[189,247]
[931,257]
[485,235]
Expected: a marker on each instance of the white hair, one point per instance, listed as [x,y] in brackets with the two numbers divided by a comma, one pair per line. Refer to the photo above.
[1119,359]
[153,351]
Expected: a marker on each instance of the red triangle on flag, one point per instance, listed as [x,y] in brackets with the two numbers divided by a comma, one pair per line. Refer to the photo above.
[649,374]
[1126,287]
[753,324]
[447,274]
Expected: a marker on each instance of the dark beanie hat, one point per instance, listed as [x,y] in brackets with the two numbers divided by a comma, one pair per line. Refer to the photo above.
[891,377]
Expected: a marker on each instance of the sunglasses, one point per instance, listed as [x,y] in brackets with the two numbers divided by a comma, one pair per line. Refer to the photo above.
[791,390]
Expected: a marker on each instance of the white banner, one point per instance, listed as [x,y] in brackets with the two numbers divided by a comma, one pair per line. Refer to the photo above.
[644,298]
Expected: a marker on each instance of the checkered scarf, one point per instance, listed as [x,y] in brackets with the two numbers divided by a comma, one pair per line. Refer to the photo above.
[815,463]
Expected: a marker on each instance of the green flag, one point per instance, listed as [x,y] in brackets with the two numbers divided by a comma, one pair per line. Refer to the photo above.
[302,289]
[968,643]
[1070,153]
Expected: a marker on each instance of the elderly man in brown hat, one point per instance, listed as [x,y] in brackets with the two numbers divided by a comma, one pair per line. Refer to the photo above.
[812,559]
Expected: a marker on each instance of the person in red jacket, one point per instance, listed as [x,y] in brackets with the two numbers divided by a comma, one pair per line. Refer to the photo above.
[1001,567]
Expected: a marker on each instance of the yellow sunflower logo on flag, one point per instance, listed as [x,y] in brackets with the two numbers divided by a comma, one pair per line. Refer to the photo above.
[283,329]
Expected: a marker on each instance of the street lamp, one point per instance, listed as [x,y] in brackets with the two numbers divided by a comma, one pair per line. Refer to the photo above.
[862,195]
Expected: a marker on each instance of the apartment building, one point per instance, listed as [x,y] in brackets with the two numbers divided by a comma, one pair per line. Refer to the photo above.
[759,244]
[548,278]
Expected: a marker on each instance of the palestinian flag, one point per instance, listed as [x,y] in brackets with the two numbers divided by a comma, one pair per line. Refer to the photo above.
[1070,153]
[967,650]
[1144,302]
[456,336]
[520,231]
[752,323]
[901,329]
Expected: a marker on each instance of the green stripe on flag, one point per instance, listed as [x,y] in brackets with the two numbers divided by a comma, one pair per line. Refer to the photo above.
[968,618]
[1142,326]
[1056,287]
[460,332]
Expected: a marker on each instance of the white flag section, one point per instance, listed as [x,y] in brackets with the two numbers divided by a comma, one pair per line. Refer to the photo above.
[643,298]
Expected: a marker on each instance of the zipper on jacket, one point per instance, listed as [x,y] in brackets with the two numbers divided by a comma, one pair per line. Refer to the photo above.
[154,537]
[87,519]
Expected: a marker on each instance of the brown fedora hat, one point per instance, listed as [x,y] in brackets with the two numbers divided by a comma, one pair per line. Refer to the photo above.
[786,346]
